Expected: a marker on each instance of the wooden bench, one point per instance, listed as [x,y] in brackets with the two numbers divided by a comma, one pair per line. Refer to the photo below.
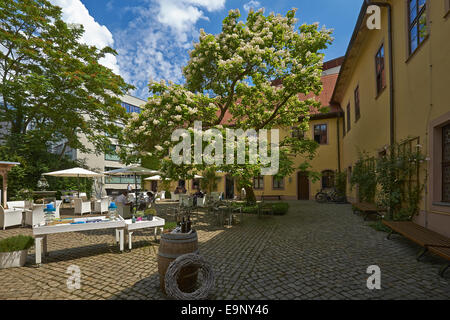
[367,209]
[264,196]
[426,238]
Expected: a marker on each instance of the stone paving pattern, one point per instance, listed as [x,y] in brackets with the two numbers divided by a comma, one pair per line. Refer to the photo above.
[316,251]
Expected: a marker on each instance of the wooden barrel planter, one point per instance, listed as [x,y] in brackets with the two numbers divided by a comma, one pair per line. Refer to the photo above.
[171,247]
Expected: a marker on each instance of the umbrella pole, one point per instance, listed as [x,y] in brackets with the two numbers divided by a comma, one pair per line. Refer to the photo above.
[135,191]
[78,182]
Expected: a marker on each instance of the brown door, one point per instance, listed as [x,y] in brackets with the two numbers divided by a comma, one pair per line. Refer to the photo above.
[302,186]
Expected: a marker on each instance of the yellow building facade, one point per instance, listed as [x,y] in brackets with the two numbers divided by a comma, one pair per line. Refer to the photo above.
[387,101]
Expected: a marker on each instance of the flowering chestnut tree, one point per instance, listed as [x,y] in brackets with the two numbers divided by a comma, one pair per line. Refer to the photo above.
[249,76]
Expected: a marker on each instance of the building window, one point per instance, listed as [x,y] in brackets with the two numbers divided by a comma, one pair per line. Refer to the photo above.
[357,111]
[446,163]
[327,179]
[348,118]
[130,108]
[112,154]
[258,182]
[278,183]
[119,179]
[417,23]
[320,133]
[379,67]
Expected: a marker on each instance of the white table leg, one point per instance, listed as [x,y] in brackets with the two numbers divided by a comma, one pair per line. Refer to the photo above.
[130,233]
[121,241]
[44,246]
[156,233]
[38,247]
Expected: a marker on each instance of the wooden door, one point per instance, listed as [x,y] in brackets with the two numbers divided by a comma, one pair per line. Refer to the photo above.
[229,187]
[302,186]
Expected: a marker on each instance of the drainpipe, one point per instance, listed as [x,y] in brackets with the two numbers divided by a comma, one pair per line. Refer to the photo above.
[391,68]
[338,142]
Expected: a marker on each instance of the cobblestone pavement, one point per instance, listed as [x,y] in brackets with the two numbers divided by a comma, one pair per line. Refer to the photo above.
[314,252]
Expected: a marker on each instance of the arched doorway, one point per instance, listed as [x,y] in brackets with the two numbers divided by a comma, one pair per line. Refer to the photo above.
[302,186]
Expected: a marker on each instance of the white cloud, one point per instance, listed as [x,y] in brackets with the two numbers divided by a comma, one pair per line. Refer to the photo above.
[251,5]
[95,34]
[156,41]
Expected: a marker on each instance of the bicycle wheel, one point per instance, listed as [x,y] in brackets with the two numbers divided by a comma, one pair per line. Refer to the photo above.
[321,197]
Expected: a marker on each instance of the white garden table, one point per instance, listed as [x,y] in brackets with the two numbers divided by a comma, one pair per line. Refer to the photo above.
[156,223]
[42,231]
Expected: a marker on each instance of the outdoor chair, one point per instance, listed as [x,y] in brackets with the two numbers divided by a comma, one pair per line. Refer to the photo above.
[101,205]
[10,217]
[161,196]
[35,215]
[82,206]
[124,211]
[174,196]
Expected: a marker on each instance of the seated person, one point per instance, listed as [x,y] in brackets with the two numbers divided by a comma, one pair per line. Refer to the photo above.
[151,197]
[123,199]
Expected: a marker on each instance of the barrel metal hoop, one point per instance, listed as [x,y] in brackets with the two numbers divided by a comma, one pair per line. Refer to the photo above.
[180,241]
[174,256]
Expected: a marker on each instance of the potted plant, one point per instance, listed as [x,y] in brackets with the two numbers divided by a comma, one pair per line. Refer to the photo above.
[149,213]
[14,250]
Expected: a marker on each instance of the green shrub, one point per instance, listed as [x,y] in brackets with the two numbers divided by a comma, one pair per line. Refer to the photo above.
[170,225]
[16,243]
[379,226]
[168,195]
[280,208]
[250,209]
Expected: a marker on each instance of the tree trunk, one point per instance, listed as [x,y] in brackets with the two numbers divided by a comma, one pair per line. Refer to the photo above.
[250,195]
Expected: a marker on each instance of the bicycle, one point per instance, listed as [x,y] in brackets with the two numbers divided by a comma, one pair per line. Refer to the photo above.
[331,195]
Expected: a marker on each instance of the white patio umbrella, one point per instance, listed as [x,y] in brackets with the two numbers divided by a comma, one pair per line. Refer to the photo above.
[156,178]
[74,173]
[132,170]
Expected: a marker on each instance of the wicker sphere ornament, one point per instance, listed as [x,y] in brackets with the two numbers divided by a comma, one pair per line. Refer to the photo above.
[189,259]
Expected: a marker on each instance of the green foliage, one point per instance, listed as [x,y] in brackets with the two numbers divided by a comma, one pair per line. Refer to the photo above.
[170,225]
[341,183]
[398,176]
[23,179]
[364,176]
[210,180]
[379,226]
[392,179]
[53,90]
[16,243]
[280,208]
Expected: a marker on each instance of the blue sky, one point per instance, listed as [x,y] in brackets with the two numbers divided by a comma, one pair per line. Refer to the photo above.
[153,37]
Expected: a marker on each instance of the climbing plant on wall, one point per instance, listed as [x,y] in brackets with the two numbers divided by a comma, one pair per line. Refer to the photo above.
[398,174]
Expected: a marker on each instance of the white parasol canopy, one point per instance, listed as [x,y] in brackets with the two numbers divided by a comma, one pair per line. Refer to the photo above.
[132,170]
[155,178]
[74,172]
